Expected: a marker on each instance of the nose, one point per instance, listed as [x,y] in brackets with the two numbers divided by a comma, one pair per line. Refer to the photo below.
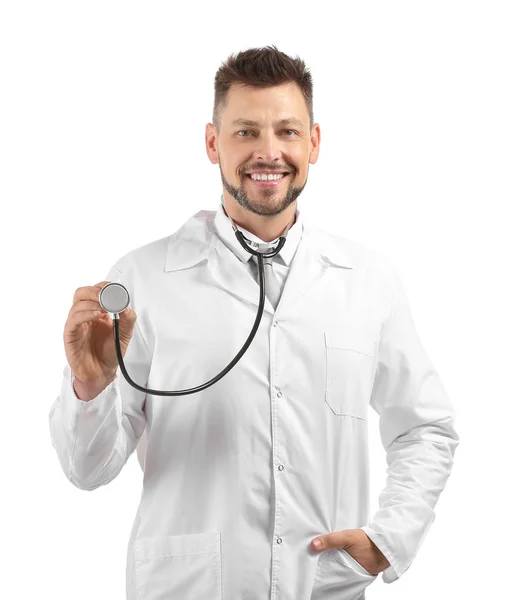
[268,148]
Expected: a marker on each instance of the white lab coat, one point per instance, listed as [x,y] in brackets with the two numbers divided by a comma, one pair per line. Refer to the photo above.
[239,478]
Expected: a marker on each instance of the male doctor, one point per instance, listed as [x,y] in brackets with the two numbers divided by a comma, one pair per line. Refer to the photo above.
[258,486]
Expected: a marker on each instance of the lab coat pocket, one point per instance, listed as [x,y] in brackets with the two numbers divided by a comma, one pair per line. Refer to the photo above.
[338,575]
[179,566]
[350,369]
[351,562]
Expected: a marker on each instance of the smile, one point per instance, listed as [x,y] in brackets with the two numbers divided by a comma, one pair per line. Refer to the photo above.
[269,183]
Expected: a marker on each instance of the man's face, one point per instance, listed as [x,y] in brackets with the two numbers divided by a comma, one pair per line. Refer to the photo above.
[264,145]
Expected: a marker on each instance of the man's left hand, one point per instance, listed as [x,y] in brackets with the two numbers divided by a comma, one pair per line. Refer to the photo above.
[357,543]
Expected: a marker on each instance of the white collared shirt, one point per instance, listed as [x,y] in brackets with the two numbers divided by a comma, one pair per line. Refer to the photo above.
[241,476]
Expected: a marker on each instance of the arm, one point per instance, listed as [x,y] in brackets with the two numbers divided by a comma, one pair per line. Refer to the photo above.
[94,437]
[417,431]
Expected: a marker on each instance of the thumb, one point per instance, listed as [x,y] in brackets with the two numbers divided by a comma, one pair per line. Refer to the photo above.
[337,539]
[127,318]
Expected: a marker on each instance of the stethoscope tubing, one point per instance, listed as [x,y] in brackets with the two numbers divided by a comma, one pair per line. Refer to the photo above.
[262,296]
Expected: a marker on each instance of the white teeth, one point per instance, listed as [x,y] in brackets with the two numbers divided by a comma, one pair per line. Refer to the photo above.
[264,177]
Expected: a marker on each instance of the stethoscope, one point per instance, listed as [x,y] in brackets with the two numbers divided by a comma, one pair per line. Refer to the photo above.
[114,298]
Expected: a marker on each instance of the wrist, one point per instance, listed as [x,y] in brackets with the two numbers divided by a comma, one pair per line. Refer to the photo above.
[89,390]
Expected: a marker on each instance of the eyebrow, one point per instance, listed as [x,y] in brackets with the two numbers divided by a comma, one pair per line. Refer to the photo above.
[248,123]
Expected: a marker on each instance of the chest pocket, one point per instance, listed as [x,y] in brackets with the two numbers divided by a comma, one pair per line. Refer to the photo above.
[351,359]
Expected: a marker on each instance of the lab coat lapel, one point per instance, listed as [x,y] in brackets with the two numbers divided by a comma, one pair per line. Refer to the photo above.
[232,275]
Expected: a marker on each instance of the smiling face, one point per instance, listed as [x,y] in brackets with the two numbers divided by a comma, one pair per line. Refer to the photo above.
[264,130]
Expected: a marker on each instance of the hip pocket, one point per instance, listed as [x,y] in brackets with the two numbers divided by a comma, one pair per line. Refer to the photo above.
[351,562]
[337,577]
[179,566]
[350,370]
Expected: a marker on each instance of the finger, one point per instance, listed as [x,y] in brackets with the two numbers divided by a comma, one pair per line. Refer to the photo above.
[337,539]
[83,316]
[88,292]
[83,305]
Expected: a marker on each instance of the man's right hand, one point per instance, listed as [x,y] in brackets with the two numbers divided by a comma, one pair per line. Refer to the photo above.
[89,342]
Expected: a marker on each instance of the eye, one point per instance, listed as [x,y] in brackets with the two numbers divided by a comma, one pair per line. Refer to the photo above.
[248,131]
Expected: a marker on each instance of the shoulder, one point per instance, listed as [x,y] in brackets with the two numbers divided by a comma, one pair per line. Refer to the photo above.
[191,240]
[344,251]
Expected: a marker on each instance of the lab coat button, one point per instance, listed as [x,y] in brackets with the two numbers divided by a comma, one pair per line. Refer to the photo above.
[280,467]
[275,324]
[279,394]
[279,541]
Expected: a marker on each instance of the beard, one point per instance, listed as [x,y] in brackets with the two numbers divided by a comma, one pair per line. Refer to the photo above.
[271,202]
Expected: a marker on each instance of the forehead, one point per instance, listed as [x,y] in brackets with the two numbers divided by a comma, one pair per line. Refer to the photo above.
[252,103]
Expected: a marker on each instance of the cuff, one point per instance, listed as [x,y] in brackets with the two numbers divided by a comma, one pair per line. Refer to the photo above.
[391,573]
[92,400]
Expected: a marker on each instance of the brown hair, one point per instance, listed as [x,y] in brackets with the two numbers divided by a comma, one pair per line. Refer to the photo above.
[260,67]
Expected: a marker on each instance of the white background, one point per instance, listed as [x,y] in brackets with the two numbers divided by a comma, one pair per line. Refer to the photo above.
[103,108]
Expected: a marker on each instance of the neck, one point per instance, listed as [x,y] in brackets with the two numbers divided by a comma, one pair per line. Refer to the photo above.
[267,228]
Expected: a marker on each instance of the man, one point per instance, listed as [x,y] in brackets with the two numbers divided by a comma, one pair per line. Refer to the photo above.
[242,477]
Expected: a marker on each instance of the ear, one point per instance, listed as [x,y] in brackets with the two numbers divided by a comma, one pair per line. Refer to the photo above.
[316,141]
[211,143]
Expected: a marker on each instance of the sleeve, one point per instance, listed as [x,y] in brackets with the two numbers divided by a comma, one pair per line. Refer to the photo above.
[416,424]
[94,439]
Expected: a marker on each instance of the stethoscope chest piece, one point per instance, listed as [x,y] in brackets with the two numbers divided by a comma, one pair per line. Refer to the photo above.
[114,298]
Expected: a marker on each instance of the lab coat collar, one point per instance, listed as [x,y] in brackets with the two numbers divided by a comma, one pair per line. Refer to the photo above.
[317,250]
[194,242]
